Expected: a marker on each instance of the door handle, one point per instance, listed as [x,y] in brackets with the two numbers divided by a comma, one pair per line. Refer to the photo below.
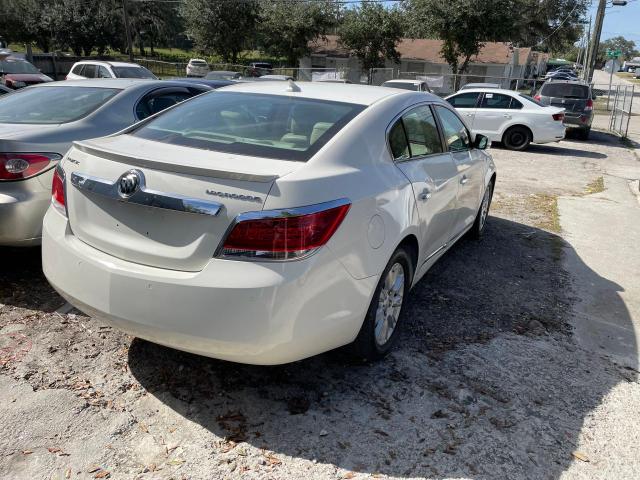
[506,115]
[425,195]
[464,180]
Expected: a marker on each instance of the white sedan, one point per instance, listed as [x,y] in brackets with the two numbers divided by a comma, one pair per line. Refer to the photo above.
[509,117]
[266,222]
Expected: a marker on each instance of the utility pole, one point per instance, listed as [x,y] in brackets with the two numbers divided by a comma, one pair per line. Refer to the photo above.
[595,40]
[127,28]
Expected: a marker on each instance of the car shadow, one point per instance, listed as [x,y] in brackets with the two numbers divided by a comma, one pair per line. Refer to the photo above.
[560,149]
[22,283]
[485,382]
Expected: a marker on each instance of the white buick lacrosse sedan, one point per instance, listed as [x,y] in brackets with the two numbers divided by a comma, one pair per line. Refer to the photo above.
[266,222]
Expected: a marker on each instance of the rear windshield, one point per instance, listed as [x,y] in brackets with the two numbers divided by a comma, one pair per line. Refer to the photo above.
[17,66]
[133,72]
[404,86]
[51,105]
[532,100]
[565,90]
[271,126]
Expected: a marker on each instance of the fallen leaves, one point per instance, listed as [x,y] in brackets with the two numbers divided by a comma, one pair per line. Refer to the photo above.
[580,456]
[99,471]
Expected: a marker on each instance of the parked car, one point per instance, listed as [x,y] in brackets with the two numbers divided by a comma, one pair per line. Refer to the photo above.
[257,69]
[560,75]
[415,85]
[99,69]
[509,117]
[197,67]
[280,78]
[631,65]
[18,73]
[38,125]
[576,97]
[287,220]
[223,75]
[203,81]
[480,85]
[4,90]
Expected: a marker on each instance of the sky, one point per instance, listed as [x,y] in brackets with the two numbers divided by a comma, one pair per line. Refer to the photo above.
[624,21]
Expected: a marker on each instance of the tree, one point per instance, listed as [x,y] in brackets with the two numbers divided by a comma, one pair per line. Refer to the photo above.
[548,25]
[153,23]
[27,21]
[462,25]
[222,27]
[286,28]
[626,47]
[371,32]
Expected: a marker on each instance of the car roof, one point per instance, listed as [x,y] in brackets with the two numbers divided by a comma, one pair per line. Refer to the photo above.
[411,82]
[336,92]
[120,83]
[487,90]
[105,62]
[572,82]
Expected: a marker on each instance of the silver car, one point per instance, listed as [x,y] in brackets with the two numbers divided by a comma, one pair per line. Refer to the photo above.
[38,125]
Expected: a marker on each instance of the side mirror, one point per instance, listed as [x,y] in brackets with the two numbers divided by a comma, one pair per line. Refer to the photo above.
[481,142]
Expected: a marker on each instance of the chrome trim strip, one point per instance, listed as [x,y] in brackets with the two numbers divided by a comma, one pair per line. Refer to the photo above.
[282,212]
[145,197]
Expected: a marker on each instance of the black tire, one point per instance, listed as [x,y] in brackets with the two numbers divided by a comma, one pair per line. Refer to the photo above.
[517,138]
[365,346]
[481,220]
[584,133]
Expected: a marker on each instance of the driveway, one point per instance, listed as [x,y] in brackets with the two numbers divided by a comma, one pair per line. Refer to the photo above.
[518,360]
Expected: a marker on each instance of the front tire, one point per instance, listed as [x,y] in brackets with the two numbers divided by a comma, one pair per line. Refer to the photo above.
[379,331]
[517,138]
[481,218]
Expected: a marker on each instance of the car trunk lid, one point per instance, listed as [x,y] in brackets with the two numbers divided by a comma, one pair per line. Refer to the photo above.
[571,105]
[171,221]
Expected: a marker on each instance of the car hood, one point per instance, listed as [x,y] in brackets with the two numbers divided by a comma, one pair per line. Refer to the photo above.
[28,77]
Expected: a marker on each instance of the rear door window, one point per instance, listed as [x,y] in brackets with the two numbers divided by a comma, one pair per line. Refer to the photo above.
[565,90]
[422,132]
[495,100]
[271,126]
[156,102]
[464,100]
[89,71]
[103,72]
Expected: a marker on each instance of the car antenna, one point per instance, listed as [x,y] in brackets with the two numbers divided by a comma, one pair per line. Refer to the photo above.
[293,87]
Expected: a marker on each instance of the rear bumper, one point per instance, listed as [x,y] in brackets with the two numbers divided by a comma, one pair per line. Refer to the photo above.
[259,313]
[578,121]
[22,207]
[549,132]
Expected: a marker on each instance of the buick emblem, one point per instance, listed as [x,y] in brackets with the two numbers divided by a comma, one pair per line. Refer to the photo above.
[129,183]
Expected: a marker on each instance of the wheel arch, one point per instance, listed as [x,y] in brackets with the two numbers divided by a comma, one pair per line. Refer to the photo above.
[517,124]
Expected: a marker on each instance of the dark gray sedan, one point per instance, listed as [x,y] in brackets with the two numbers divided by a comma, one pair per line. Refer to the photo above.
[38,125]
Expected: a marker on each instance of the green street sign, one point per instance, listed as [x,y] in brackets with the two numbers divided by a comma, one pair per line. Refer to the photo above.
[613,53]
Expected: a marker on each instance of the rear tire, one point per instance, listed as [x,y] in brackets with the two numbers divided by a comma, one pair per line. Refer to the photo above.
[584,133]
[379,331]
[483,212]
[517,138]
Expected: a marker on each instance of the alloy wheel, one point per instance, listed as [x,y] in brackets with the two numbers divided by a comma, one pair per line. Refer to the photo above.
[389,304]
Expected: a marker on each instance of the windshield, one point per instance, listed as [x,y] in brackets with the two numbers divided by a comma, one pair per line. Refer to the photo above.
[51,105]
[133,72]
[565,90]
[271,126]
[404,86]
[17,66]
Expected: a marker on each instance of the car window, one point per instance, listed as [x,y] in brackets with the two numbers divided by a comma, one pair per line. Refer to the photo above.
[464,100]
[77,70]
[455,133]
[515,104]
[422,132]
[565,90]
[34,105]
[495,100]
[89,71]
[398,141]
[103,72]
[287,127]
[154,103]
[133,72]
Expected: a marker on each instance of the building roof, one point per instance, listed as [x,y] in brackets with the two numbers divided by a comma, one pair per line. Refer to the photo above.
[425,49]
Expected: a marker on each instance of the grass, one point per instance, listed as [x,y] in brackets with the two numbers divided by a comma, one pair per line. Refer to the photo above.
[596,186]
[546,206]
[628,76]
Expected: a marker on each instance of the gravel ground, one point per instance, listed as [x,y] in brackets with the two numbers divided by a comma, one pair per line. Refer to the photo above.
[487,382]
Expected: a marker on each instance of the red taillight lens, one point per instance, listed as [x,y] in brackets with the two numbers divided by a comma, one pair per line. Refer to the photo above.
[285,234]
[58,197]
[18,166]
[537,97]
[589,105]
[558,117]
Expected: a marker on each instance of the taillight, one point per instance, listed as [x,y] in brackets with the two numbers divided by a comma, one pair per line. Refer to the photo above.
[284,234]
[18,166]
[58,197]
[537,97]
[589,105]
[558,117]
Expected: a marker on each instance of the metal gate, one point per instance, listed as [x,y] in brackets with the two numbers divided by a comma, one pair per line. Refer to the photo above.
[622,109]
